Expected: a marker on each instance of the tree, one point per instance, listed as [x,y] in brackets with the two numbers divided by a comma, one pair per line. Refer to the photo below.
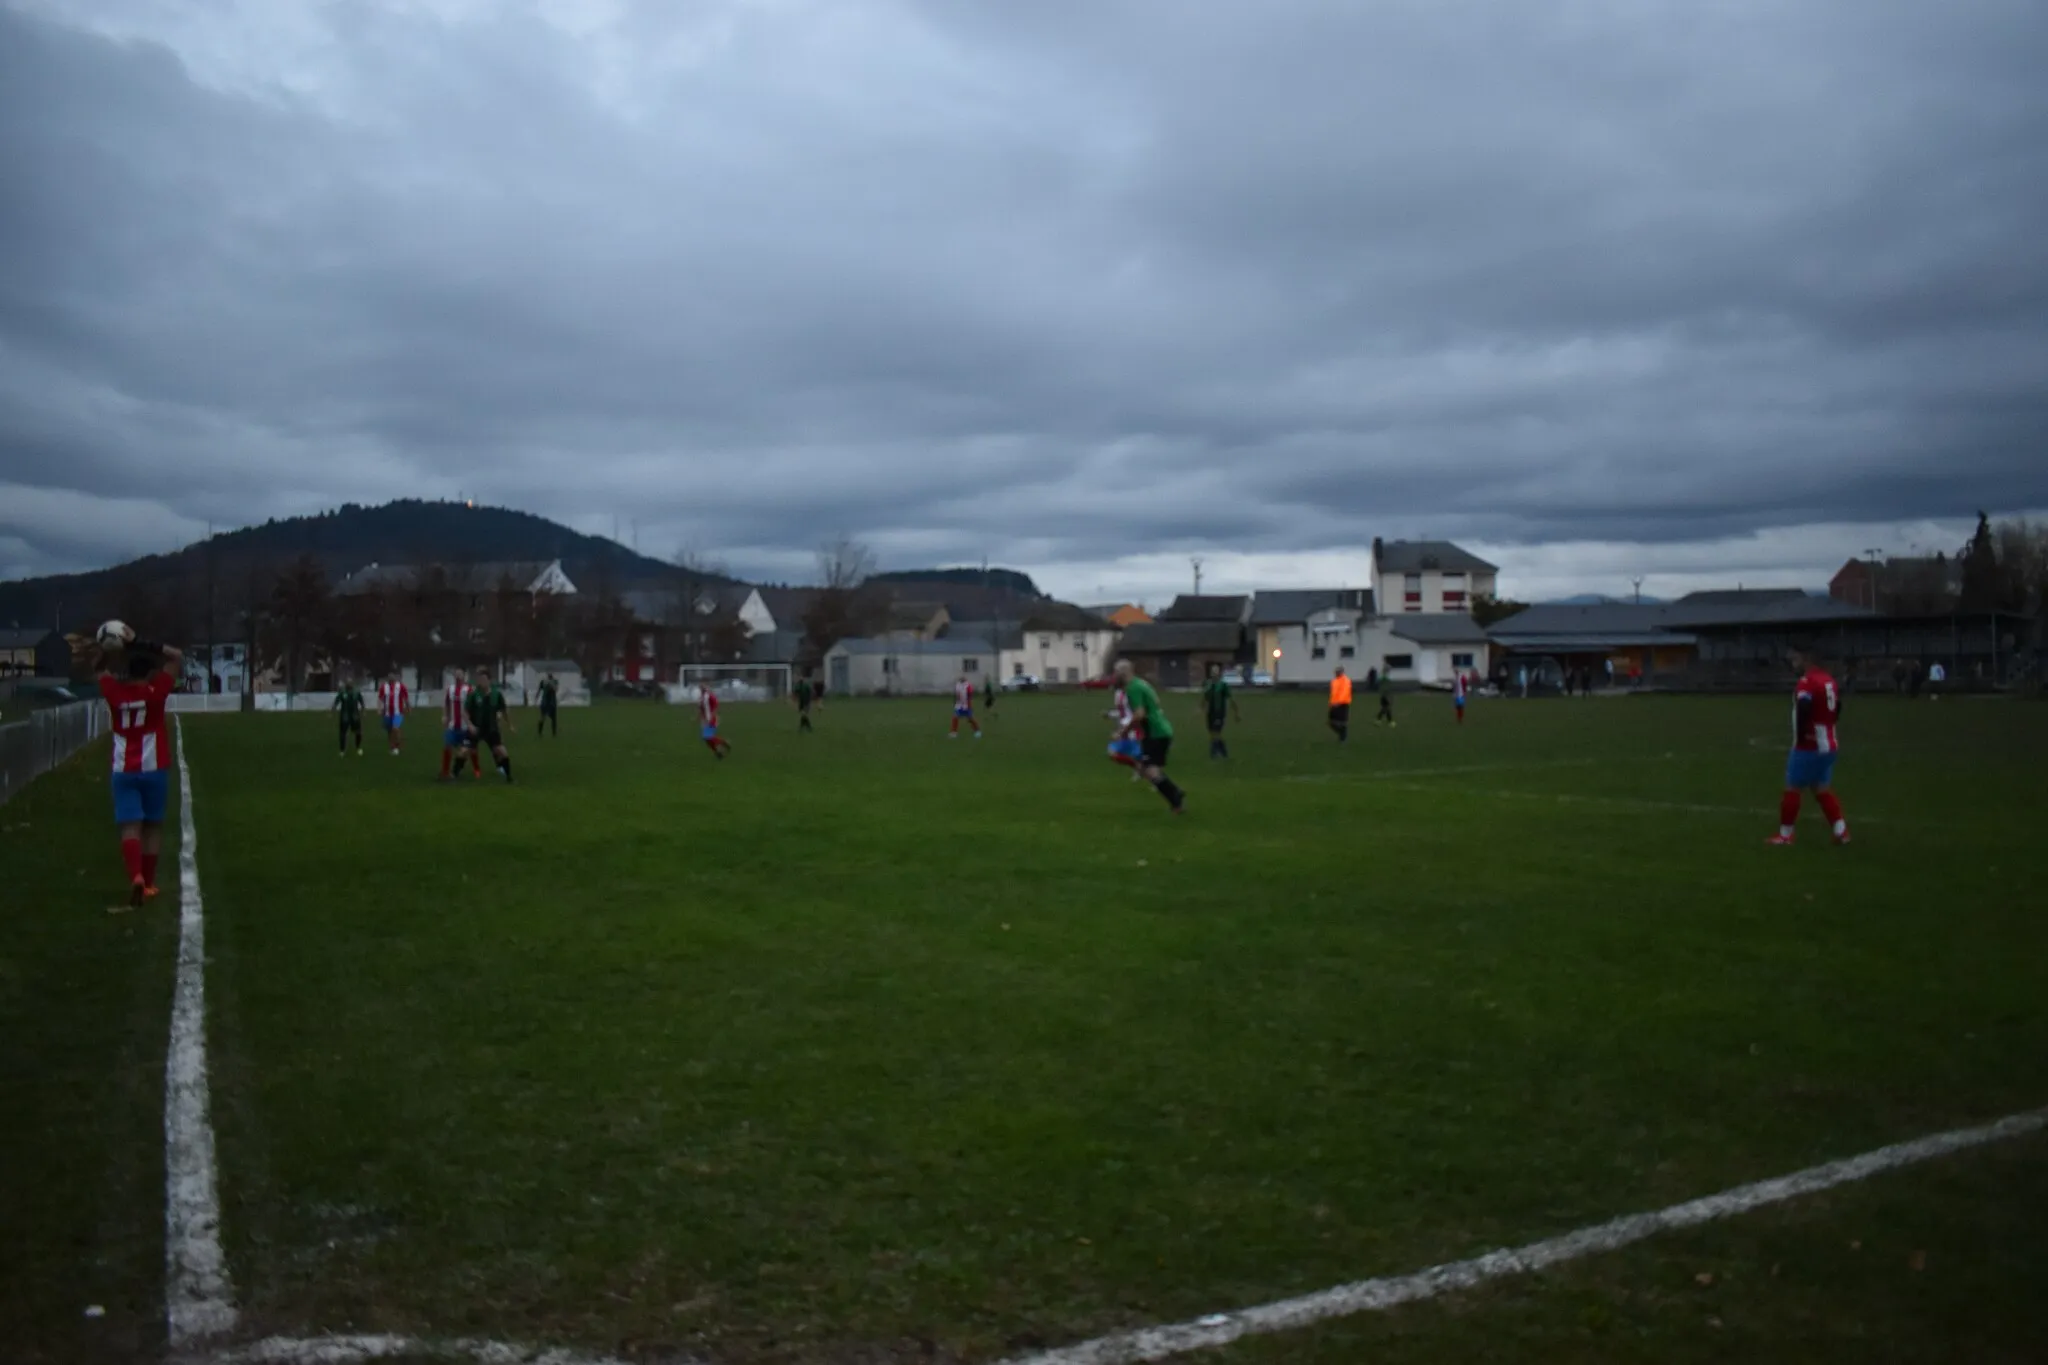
[1487,611]
[1982,589]
[695,608]
[2023,563]
[298,605]
[840,609]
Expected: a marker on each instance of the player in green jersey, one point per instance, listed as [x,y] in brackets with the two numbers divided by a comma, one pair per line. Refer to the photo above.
[348,707]
[485,707]
[1154,731]
[1220,705]
[805,696]
[550,701]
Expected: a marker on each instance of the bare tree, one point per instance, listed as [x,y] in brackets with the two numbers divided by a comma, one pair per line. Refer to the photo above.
[844,563]
[298,604]
[695,609]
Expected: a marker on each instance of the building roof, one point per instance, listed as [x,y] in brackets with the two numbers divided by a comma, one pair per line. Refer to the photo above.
[1007,635]
[1416,556]
[773,647]
[1739,597]
[788,605]
[1188,607]
[1449,628]
[480,577]
[958,646]
[1554,626]
[1051,615]
[1173,637]
[1292,606]
[25,638]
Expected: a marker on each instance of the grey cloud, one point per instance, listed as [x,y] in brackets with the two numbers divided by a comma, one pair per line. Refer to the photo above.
[1078,280]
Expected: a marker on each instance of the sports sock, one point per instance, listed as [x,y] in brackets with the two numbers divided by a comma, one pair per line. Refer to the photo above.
[1832,808]
[1788,813]
[447,757]
[505,766]
[131,855]
[1169,790]
[476,763]
[149,869]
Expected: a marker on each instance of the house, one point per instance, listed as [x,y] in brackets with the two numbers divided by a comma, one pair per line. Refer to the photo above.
[1055,642]
[1120,614]
[1188,607]
[1178,653]
[34,653]
[904,665]
[1665,639]
[529,578]
[686,623]
[1279,623]
[216,668]
[1307,654]
[1432,649]
[925,620]
[1428,576]
[442,614]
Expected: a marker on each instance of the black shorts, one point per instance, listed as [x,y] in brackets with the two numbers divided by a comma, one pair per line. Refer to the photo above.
[1156,750]
[492,738]
[547,708]
[1216,720]
[1340,715]
[348,725]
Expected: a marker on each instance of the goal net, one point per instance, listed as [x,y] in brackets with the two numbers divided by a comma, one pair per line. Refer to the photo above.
[732,682]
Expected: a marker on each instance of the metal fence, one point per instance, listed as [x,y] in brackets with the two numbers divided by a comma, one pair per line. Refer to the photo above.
[32,747]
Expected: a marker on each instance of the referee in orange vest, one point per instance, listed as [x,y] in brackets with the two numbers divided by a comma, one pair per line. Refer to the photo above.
[1340,706]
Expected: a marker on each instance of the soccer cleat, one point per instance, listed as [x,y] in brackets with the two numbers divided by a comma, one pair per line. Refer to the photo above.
[1779,841]
[1843,837]
[136,893]
[150,893]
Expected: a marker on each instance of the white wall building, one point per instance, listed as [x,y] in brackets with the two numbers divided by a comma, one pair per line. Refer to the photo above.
[1432,649]
[1429,577]
[903,665]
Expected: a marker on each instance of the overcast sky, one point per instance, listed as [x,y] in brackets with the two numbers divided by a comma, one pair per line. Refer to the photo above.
[1704,292]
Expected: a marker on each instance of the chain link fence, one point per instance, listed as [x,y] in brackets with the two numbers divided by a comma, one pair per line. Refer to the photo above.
[30,748]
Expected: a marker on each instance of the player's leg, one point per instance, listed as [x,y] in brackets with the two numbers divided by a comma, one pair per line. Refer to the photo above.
[1798,775]
[503,757]
[341,729]
[1830,804]
[1154,770]
[153,846]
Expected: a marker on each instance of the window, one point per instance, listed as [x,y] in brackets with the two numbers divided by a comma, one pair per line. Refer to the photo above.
[647,646]
[476,635]
[1317,652]
[1453,601]
[970,665]
[1461,661]
[1073,675]
[1045,642]
[888,665]
[1016,670]
[1396,661]
[1411,591]
[1346,652]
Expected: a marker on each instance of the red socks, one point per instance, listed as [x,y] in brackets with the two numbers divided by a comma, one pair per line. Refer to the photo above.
[1832,808]
[447,757]
[131,854]
[149,869]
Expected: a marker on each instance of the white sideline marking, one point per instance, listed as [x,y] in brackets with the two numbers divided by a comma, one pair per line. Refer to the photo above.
[348,1350]
[199,1300]
[1389,774]
[1371,1296]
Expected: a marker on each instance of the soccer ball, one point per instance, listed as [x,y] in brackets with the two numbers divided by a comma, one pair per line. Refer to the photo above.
[113,635]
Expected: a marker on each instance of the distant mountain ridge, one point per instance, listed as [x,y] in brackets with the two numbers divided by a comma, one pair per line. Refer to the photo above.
[1005,580]
[342,541]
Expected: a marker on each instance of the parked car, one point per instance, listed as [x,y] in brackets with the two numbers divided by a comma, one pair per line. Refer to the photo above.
[1021,682]
[1098,684]
[1254,677]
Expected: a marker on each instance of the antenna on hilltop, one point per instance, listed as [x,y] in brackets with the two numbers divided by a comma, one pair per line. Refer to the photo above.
[1196,560]
[1639,589]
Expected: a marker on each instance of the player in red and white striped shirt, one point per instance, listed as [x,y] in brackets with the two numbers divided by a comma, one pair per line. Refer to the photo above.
[707,721]
[393,701]
[963,707]
[141,782]
[455,740]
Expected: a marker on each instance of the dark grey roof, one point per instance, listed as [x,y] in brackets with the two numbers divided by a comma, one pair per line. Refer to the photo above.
[773,647]
[1415,556]
[1050,615]
[1008,635]
[27,638]
[1545,626]
[1292,606]
[656,606]
[1449,628]
[1173,637]
[958,646]
[788,605]
[1739,597]
[1188,607]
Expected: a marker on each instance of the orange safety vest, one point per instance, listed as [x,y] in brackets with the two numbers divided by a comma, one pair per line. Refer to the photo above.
[1340,691]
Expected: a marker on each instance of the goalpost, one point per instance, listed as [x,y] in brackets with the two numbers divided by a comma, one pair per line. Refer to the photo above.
[732,682]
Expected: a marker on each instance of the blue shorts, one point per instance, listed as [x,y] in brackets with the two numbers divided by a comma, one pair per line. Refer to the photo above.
[1126,748]
[1806,768]
[139,797]
[454,737]
[964,712]
[709,732]
[394,722]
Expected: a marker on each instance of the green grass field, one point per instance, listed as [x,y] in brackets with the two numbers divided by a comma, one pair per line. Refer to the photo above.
[871,1046]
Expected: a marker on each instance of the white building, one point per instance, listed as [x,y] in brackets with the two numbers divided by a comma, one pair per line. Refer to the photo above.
[1433,649]
[1055,642]
[903,665]
[1310,652]
[1428,577]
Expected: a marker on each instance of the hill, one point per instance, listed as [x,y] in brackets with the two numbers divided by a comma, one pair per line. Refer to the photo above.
[341,541]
